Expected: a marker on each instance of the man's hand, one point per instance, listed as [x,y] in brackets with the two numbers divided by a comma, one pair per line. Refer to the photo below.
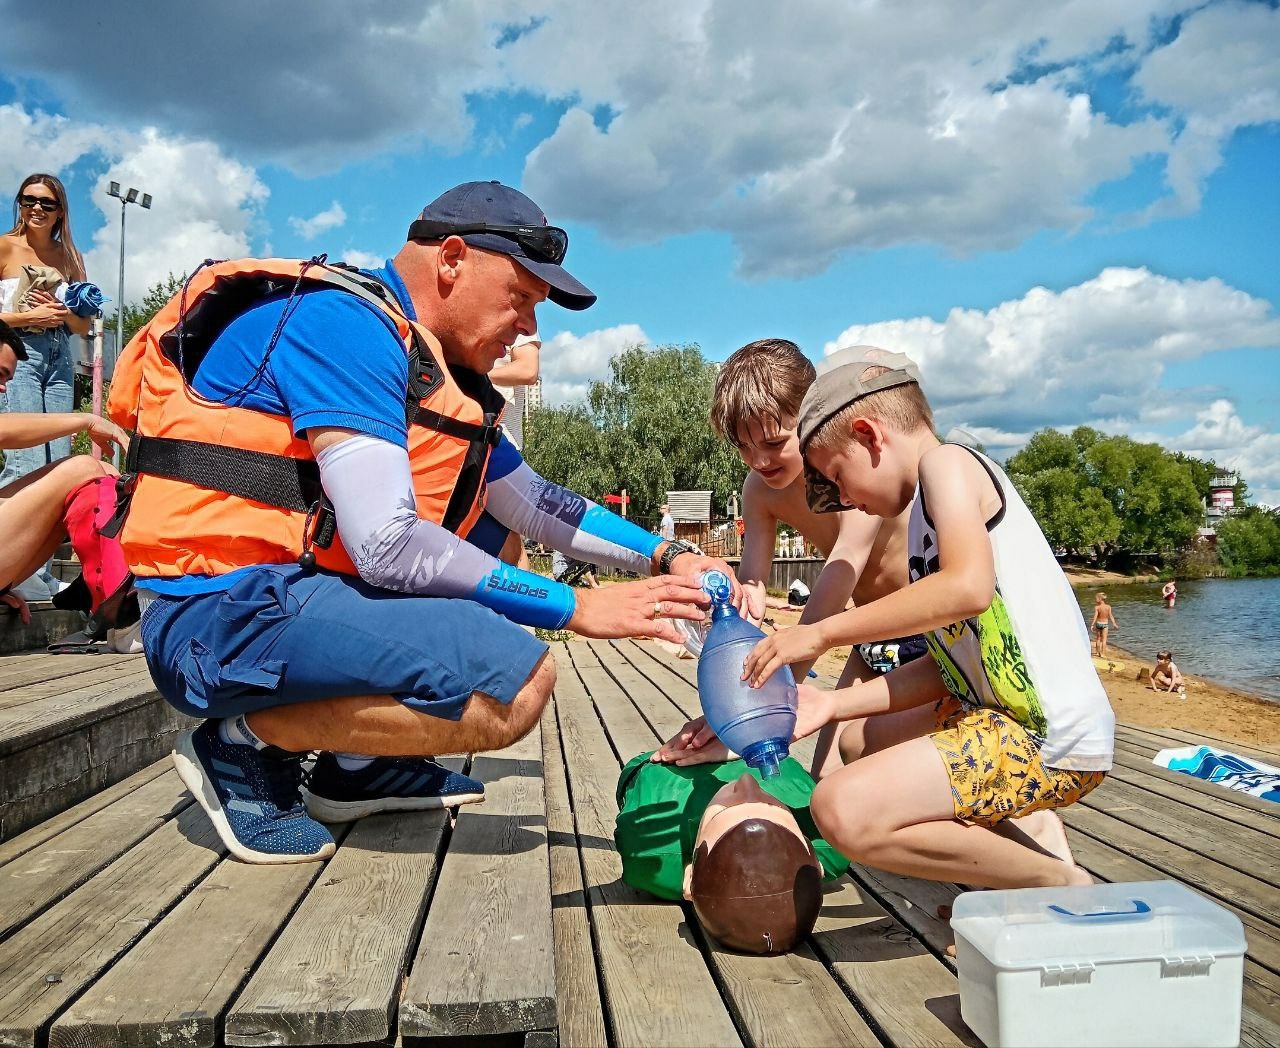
[695,743]
[106,434]
[639,609]
[815,710]
[12,600]
[783,648]
[695,564]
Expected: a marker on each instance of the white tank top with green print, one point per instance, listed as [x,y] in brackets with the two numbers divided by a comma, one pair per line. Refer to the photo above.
[1028,654]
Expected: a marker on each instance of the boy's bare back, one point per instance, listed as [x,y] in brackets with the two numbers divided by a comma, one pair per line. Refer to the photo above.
[879,544]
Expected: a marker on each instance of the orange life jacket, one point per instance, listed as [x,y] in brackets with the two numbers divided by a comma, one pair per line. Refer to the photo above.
[210,487]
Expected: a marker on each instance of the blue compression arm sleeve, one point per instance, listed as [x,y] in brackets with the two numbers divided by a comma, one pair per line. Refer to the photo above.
[563,520]
[369,483]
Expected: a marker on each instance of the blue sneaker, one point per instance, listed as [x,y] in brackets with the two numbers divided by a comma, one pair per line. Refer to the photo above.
[387,784]
[252,797]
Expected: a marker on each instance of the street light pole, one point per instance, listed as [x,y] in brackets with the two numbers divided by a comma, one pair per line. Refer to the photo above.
[126,198]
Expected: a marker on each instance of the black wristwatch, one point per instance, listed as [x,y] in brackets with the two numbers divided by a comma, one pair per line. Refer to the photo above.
[674,548]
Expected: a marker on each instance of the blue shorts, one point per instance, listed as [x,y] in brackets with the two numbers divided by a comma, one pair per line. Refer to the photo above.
[279,636]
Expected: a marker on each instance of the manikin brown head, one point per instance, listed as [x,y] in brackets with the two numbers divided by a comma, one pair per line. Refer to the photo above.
[754,882]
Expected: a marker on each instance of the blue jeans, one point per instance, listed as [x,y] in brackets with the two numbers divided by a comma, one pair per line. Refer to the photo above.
[43,383]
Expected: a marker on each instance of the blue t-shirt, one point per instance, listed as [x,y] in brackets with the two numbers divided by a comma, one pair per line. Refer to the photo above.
[339,361]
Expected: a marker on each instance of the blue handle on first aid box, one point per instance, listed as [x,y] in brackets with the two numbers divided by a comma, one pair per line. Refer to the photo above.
[1140,912]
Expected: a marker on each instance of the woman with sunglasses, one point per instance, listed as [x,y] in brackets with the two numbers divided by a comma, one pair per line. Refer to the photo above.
[44,382]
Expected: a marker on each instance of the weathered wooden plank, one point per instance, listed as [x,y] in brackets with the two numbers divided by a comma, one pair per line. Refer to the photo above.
[24,726]
[51,960]
[173,987]
[334,974]
[42,780]
[19,697]
[1167,738]
[1205,874]
[1138,753]
[911,996]
[1247,850]
[17,670]
[1206,796]
[1260,1017]
[789,999]
[915,903]
[642,946]
[47,873]
[37,835]
[578,1002]
[486,963]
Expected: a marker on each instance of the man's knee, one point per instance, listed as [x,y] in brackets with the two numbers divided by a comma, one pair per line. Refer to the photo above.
[526,708]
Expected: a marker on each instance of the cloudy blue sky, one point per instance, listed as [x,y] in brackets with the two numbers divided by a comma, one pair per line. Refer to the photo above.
[1067,212]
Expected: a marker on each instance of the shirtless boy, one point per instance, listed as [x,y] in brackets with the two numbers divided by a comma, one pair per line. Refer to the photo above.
[1104,620]
[755,406]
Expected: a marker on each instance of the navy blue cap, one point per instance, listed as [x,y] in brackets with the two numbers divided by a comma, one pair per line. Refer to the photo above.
[13,340]
[496,204]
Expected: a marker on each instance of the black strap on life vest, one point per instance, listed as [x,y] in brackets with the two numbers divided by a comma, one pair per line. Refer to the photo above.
[294,484]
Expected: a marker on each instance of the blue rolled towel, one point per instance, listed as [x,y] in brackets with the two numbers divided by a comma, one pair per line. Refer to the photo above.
[84,299]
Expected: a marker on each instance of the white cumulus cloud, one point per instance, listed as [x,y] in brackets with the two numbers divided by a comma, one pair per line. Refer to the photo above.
[1095,353]
[1221,73]
[1220,434]
[570,363]
[332,217]
[204,206]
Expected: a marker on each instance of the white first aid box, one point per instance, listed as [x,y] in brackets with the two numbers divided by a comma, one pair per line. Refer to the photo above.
[1145,964]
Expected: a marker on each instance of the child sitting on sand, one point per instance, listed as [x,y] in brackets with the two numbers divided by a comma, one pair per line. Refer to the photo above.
[1008,720]
[1165,675]
[754,407]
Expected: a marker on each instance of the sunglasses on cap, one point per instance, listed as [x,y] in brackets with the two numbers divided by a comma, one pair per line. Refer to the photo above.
[43,203]
[545,243]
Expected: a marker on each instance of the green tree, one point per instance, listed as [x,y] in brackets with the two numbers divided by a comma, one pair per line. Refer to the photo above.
[1249,541]
[645,430]
[1100,495]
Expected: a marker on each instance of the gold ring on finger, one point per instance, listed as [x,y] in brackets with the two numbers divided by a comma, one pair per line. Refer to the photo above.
[657,609]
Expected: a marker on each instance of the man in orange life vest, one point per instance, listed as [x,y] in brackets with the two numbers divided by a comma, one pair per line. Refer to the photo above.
[315,448]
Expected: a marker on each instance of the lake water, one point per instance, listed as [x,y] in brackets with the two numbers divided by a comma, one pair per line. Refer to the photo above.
[1224,629]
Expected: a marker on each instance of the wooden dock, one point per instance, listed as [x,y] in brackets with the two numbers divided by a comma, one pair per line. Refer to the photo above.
[122,921]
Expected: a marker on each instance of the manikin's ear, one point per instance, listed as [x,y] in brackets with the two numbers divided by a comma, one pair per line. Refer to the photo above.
[688,882]
[450,257]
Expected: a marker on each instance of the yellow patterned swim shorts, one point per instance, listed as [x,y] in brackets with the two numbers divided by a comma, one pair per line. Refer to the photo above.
[995,767]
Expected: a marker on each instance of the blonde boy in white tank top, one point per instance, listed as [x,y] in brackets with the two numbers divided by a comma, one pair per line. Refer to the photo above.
[1007,721]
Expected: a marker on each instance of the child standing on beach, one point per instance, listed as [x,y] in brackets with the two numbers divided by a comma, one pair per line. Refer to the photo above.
[1104,619]
[1008,720]
[754,407]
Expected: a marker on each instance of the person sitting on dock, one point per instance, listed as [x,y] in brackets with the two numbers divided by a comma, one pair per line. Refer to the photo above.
[33,508]
[1008,720]
[314,445]
[742,849]
[756,400]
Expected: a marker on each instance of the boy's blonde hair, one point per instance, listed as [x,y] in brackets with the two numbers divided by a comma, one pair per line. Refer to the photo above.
[903,408]
[765,379]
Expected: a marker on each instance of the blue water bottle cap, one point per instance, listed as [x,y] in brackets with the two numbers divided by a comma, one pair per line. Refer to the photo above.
[715,584]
